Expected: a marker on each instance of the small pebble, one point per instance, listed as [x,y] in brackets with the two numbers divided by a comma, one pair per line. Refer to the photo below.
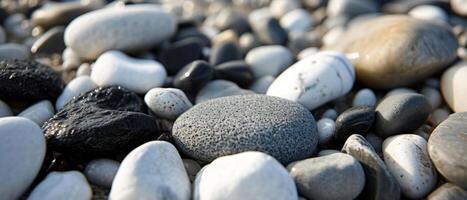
[181,53]
[365,97]
[101,172]
[262,84]
[62,185]
[354,120]
[448,191]
[330,113]
[74,88]
[433,96]
[193,76]
[439,115]
[39,112]
[5,110]
[84,70]
[429,13]
[224,52]
[269,60]
[168,103]
[326,129]
[298,20]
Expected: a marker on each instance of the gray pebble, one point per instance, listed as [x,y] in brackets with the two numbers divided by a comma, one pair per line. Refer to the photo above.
[14,51]
[70,185]
[262,84]
[330,113]
[191,167]
[101,172]
[5,110]
[39,112]
[365,97]
[219,88]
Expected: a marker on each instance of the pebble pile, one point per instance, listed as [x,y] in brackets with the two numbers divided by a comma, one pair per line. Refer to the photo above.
[233,99]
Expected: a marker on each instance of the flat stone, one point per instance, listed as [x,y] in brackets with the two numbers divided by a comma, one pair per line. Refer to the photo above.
[181,53]
[401,113]
[238,72]
[355,120]
[380,183]
[193,76]
[220,88]
[401,58]
[269,60]
[74,88]
[248,175]
[335,176]
[447,145]
[229,125]
[154,170]
[168,103]
[38,112]
[101,172]
[448,191]
[454,87]
[22,151]
[62,185]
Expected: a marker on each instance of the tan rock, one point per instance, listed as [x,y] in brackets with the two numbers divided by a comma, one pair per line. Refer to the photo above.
[454,87]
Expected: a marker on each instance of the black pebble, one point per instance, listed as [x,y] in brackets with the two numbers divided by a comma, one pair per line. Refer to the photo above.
[235,71]
[181,53]
[28,81]
[102,122]
[193,76]
[224,52]
[355,120]
[192,32]
[231,19]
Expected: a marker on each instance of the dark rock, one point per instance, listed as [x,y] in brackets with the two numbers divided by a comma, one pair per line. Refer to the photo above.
[193,76]
[231,19]
[28,80]
[51,42]
[375,141]
[229,125]
[224,52]
[192,32]
[102,122]
[269,31]
[236,71]
[401,113]
[380,184]
[355,120]
[447,148]
[54,14]
[448,191]
[181,53]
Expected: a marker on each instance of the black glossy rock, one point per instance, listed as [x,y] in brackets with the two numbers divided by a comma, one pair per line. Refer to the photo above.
[224,52]
[448,191]
[236,71]
[231,19]
[401,113]
[447,147]
[53,14]
[269,31]
[355,120]
[29,81]
[50,42]
[179,54]
[379,182]
[192,32]
[193,76]
[102,122]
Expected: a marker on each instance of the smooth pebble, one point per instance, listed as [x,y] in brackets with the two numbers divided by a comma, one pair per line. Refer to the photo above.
[39,112]
[168,103]
[75,87]
[101,172]
[70,185]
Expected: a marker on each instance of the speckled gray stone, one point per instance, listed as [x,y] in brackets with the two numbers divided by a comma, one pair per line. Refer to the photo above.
[229,125]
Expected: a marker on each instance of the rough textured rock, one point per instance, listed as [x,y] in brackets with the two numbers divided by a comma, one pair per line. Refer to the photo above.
[101,122]
[229,125]
[447,148]
[28,80]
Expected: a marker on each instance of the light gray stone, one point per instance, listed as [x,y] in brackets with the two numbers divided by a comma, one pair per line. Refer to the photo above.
[262,84]
[298,20]
[39,112]
[167,103]
[365,97]
[70,185]
[101,172]
[219,88]
[75,87]
[269,60]
[326,129]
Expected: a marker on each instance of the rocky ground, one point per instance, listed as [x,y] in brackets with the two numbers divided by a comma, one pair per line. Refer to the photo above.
[233,99]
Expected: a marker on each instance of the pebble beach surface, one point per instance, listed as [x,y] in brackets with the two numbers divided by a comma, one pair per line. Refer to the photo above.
[233,99]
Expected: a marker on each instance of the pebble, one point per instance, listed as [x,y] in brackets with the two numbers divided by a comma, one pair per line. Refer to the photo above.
[236,71]
[355,120]
[326,128]
[410,63]
[101,123]
[448,191]
[307,52]
[229,125]
[192,168]
[39,112]
[14,51]
[28,80]
[433,96]
[248,41]
[350,8]
[22,151]
[62,185]
[75,87]
[302,40]
[101,172]
[227,36]
[335,176]
[330,113]
[193,76]
[406,157]
[138,75]
[224,52]
[51,42]
[375,141]
[401,113]
[438,116]
[154,170]
[248,175]
[181,53]
[233,20]
[84,70]
[5,110]
[3,37]
[127,28]
[266,27]
[219,88]
[459,7]
[365,97]
[429,13]
[453,87]
[332,76]
[447,146]
[401,90]
[279,8]
[262,84]
[269,60]
[380,183]
[168,103]
[325,152]
[298,20]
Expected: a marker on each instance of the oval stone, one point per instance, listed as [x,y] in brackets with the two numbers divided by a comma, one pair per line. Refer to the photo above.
[454,87]
[62,185]
[229,125]
[355,120]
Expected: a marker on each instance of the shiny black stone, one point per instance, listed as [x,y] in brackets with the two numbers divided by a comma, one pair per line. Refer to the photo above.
[355,120]
[193,76]
[236,71]
[224,52]
[181,53]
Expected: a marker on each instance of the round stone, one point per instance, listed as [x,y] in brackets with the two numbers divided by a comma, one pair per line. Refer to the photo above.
[127,28]
[326,129]
[438,116]
[38,112]
[335,176]
[229,125]
[355,120]
[298,20]
[269,60]
[101,172]
[62,185]
[330,113]
[448,145]
[350,8]
[454,87]
[193,76]
[448,191]
[168,103]
[248,175]
[365,97]
[401,113]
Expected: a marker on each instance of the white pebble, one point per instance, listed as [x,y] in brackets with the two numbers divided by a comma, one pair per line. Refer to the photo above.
[138,75]
[74,88]
[167,103]
[39,112]
[84,70]
[307,52]
[278,8]
[400,91]
[5,110]
[262,84]
[298,20]
[326,129]
[429,13]
[101,172]
[433,96]
[70,185]
[269,60]
[365,97]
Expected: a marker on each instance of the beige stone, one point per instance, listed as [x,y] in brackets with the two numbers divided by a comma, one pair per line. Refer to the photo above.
[454,87]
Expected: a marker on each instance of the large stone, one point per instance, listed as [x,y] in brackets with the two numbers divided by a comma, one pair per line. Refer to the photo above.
[454,87]
[396,50]
[447,148]
[229,125]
